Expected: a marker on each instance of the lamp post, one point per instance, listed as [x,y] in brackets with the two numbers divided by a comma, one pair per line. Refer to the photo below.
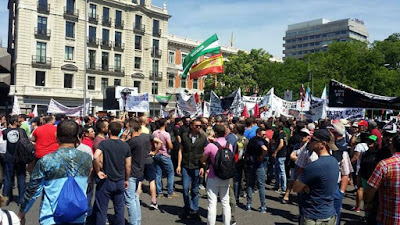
[154,78]
[124,94]
[84,62]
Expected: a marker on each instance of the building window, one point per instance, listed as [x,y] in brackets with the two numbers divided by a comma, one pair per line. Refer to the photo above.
[171,57]
[42,25]
[171,79]
[155,67]
[118,38]
[183,57]
[117,82]
[70,5]
[92,59]
[138,61]
[118,17]
[138,21]
[138,42]
[154,88]
[106,15]
[117,62]
[156,27]
[91,83]
[136,84]
[156,44]
[106,35]
[104,60]
[68,80]
[92,33]
[195,83]
[104,83]
[41,52]
[69,53]
[69,29]
[92,11]
[40,78]
[183,83]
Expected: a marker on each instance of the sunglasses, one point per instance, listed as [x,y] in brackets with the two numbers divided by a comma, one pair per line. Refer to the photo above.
[197,126]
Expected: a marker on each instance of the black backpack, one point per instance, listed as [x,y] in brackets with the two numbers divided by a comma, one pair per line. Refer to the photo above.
[25,150]
[224,164]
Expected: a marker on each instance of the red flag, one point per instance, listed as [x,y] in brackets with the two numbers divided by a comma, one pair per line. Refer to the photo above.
[245,113]
[196,98]
[256,111]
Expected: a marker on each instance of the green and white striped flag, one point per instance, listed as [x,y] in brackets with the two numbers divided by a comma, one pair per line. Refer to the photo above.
[211,45]
[163,100]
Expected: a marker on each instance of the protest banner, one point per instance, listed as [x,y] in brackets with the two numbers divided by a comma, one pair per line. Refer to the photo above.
[58,108]
[138,103]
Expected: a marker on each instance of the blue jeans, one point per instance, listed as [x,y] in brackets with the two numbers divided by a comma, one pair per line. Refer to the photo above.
[238,180]
[190,178]
[338,199]
[132,202]
[256,175]
[270,167]
[107,189]
[164,162]
[10,171]
[280,174]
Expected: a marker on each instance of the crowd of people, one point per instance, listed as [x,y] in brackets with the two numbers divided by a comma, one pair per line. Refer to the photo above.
[109,158]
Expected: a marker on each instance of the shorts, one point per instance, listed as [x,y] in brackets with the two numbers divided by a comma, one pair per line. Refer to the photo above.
[149,172]
[293,174]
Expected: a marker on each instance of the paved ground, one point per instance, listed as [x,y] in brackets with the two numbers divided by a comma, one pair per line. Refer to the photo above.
[169,209]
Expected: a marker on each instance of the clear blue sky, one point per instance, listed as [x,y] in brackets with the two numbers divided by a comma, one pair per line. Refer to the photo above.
[262,23]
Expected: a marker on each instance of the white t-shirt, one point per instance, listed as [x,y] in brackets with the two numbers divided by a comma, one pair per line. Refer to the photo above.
[361,148]
[85,148]
[4,219]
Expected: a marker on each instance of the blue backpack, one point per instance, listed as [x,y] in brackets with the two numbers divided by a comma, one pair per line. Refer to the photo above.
[72,201]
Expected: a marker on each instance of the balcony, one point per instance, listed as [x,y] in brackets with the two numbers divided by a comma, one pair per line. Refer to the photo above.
[105,44]
[157,32]
[118,46]
[93,42]
[156,53]
[139,28]
[43,8]
[157,76]
[41,62]
[138,46]
[71,14]
[93,18]
[104,69]
[119,24]
[42,33]
[106,22]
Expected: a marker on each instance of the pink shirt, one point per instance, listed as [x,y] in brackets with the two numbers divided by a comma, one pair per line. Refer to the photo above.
[211,151]
[164,137]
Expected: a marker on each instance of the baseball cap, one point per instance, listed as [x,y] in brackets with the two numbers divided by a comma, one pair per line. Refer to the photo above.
[363,123]
[373,138]
[355,124]
[311,126]
[390,128]
[305,131]
[322,135]
[339,128]
[344,122]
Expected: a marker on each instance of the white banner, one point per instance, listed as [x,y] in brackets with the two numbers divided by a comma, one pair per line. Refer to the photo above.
[58,108]
[206,111]
[237,105]
[187,105]
[345,113]
[138,103]
[250,102]
[118,90]
[16,110]
[215,104]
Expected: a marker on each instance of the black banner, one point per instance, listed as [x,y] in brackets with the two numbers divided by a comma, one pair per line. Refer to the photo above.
[341,95]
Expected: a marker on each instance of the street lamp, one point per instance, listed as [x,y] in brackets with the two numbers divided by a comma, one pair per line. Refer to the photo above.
[154,79]
[124,94]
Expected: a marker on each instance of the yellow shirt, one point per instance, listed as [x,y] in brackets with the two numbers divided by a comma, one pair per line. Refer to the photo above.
[145,130]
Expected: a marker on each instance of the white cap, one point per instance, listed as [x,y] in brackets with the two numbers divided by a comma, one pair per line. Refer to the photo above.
[305,130]
[311,126]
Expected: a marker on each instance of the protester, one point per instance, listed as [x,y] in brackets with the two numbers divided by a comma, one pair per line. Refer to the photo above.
[89,136]
[23,124]
[280,156]
[163,160]
[13,136]
[189,167]
[144,122]
[242,144]
[102,131]
[255,157]
[318,183]
[216,187]
[373,129]
[45,138]
[251,128]
[51,172]
[386,179]
[112,163]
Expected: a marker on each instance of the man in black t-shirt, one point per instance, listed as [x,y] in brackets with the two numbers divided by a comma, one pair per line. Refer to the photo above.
[280,157]
[112,162]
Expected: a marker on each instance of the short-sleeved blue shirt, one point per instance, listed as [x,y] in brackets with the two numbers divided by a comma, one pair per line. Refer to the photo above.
[321,177]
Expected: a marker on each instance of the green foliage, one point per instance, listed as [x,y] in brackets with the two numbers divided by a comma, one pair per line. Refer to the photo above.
[373,68]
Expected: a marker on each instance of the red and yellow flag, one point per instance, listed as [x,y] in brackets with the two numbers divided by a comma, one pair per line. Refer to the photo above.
[211,65]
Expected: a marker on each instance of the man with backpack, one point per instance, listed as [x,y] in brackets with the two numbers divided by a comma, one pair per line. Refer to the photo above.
[239,158]
[14,162]
[112,163]
[222,168]
[255,154]
[62,176]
